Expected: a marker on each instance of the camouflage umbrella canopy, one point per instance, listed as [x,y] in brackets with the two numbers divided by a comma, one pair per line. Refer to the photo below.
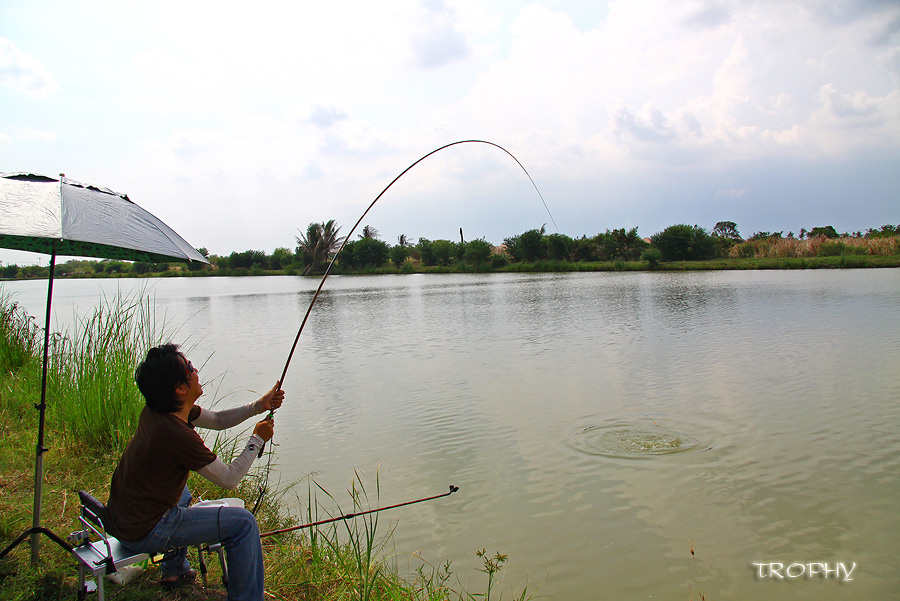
[59,216]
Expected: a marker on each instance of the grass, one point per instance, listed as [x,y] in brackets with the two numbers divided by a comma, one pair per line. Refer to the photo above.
[817,246]
[764,263]
[359,563]
[91,394]
[93,391]
[18,335]
[92,410]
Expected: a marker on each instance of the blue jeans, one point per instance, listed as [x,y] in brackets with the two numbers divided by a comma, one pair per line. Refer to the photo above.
[235,527]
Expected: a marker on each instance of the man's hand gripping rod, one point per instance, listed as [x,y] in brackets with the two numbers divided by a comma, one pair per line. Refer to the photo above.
[271,415]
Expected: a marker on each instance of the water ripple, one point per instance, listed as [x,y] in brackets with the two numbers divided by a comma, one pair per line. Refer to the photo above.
[633,439]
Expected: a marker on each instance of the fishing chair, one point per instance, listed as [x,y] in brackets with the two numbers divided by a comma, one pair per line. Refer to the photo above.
[107,555]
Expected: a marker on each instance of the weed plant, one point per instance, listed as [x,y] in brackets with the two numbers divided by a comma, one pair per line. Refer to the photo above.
[700,595]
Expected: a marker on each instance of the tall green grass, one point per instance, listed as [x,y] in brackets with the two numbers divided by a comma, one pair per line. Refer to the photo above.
[19,335]
[20,361]
[354,547]
[91,393]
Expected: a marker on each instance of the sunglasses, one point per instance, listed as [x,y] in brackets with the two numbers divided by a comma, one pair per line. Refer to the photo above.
[190,368]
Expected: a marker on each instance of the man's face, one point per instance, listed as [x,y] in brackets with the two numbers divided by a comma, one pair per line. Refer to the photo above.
[192,389]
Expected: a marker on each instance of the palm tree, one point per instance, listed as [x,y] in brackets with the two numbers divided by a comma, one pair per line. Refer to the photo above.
[369,233]
[320,241]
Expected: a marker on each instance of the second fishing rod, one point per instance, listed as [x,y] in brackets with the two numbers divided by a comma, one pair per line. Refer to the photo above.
[356,514]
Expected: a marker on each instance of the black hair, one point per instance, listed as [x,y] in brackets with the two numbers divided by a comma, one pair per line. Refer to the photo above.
[159,375]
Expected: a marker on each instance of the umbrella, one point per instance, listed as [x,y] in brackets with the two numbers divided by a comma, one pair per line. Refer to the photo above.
[59,216]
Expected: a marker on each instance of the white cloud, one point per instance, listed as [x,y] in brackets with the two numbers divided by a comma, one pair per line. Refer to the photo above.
[647,124]
[850,110]
[24,73]
[326,116]
[437,39]
[308,110]
[28,133]
[733,193]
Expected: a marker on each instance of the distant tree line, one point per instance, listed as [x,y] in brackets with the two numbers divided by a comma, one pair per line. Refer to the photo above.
[316,247]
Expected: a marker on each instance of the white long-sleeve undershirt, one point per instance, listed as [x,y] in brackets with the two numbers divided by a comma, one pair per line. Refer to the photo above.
[217,472]
[228,476]
[226,418]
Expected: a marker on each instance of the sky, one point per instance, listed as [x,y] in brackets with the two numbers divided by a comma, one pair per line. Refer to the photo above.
[239,123]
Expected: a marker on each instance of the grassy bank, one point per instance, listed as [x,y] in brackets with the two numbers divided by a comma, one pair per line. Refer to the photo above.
[92,410]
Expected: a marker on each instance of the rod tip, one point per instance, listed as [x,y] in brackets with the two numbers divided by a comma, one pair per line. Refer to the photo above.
[453,489]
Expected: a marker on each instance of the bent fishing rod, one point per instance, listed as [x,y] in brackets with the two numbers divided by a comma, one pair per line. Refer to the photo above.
[348,516]
[366,212]
[353,229]
[344,243]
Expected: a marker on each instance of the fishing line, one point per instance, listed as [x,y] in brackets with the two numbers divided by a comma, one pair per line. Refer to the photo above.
[347,239]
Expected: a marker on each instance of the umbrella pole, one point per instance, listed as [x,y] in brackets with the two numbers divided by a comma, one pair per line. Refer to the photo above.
[36,530]
[40,450]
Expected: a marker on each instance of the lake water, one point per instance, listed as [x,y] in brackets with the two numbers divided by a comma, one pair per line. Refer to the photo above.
[599,426]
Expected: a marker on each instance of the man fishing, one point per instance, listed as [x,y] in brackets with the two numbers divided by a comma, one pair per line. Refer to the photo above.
[149,501]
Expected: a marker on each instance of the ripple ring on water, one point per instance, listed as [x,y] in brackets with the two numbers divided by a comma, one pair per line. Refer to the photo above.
[641,439]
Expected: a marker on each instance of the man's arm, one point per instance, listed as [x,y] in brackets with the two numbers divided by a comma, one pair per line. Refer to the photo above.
[228,476]
[219,420]
[227,418]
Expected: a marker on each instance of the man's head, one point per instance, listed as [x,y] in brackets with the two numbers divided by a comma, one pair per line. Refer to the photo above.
[166,379]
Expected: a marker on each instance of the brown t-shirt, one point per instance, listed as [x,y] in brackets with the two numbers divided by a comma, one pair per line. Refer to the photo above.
[152,472]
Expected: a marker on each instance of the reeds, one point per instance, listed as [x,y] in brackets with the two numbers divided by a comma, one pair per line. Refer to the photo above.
[20,359]
[354,547]
[818,246]
[91,393]
[19,335]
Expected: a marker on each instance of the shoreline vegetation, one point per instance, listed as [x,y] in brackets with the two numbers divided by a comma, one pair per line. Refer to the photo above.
[93,406]
[677,248]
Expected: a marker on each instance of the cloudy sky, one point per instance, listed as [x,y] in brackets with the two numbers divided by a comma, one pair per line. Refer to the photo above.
[240,123]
